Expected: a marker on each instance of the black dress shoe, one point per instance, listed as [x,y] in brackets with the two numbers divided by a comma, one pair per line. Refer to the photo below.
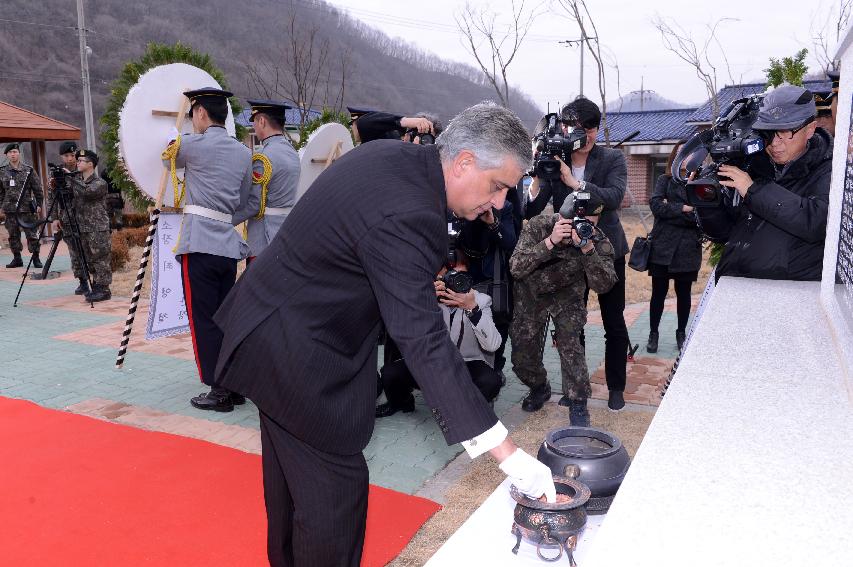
[215,400]
[387,409]
[237,399]
[537,397]
[652,346]
[680,336]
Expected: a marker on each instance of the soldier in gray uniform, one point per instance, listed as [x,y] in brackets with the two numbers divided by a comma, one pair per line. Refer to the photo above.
[273,192]
[552,266]
[17,179]
[68,154]
[94,224]
[218,178]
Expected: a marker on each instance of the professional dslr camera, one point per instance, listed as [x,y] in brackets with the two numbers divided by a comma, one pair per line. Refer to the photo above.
[575,208]
[460,282]
[550,141]
[730,141]
[424,139]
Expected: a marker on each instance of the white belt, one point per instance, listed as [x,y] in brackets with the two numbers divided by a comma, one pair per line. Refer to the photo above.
[207,213]
[277,212]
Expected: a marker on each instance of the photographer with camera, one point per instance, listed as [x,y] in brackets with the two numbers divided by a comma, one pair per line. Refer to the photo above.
[369,125]
[468,316]
[604,173]
[20,190]
[556,258]
[94,224]
[774,226]
[68,154]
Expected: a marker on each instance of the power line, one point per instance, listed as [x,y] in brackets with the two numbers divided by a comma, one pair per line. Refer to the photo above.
[38,24]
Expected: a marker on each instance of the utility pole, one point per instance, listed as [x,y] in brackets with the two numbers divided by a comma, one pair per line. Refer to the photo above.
[91,142]
[582,43]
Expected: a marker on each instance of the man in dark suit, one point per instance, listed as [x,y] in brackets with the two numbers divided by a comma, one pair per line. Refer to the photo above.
[603,172]
[363,245]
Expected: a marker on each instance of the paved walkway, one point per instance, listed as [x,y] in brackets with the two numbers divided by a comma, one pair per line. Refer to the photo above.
[60,353]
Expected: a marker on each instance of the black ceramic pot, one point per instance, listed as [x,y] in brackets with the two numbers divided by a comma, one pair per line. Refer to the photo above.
[552,526]
[592,456]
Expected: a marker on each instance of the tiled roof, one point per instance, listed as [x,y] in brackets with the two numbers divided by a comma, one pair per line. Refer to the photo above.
[291,117]
[19,125]
[733,92]
[654,125]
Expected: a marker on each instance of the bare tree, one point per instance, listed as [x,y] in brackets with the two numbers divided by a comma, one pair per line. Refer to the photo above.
[300,69]
[677,40]
[578,11]
[826,32]
[492,48]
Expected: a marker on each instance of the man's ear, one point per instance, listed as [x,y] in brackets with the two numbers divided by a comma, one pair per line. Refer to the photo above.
[810,129]
[462,163]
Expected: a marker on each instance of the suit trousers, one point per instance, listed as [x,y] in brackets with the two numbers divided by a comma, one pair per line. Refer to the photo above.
[316,502]
[398,382]
[616,341]
[206,280]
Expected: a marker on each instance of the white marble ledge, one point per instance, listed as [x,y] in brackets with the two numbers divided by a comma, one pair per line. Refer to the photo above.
[749,459]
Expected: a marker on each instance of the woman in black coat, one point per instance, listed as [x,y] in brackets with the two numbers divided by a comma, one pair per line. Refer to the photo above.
[676,252]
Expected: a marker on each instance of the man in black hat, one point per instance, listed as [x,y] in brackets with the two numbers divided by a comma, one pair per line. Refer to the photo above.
[604,173]
[368,125]
[20,190]
[275,176]
[217,181]
[67,152]
[94,224]
[776,226]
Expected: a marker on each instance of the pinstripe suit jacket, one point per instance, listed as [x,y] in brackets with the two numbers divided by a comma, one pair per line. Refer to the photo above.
[300,327]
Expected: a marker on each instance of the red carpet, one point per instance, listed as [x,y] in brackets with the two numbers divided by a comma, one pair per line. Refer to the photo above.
[77,491]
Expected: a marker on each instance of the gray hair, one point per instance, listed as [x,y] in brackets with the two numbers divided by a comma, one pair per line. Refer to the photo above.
[491,132]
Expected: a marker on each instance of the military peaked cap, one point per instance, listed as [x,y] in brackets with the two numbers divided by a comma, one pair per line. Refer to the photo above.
[355,112]
[274,108]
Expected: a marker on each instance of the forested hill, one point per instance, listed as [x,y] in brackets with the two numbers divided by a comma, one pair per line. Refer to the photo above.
[251,41]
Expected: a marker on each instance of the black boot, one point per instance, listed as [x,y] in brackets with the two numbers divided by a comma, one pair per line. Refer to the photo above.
[578,413]
[680,336]
[653,342]
[537,397]
[16,262]
[99,293]
[217,399]
[36,261]
[83,288]
[387,409]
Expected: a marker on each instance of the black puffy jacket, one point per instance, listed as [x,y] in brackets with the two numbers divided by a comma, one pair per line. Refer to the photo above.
[778,231]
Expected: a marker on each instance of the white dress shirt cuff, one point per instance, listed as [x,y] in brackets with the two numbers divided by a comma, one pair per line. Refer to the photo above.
[486,441]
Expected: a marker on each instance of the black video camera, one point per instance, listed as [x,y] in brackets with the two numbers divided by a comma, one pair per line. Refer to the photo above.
[552,142]
[575,208]
[424,139]
[460,282]
[61,180]
[730,141]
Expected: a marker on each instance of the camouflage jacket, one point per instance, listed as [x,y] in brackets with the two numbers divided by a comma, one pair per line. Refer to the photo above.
[89,208]
[540,271]
[13,181]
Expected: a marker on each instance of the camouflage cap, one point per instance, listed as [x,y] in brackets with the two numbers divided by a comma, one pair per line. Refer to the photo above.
[784,108]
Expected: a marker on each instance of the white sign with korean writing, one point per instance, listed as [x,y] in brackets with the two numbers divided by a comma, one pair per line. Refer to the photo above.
[167,313]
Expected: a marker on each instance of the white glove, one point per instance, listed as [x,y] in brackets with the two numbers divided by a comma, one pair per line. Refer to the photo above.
[173,135]
[531,477]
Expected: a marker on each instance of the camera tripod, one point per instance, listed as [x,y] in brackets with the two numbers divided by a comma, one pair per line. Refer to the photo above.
[64,199]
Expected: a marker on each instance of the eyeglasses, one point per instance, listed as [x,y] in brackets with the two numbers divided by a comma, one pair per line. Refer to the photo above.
[784,135]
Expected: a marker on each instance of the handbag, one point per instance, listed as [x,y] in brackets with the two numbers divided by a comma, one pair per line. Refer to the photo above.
[640,252]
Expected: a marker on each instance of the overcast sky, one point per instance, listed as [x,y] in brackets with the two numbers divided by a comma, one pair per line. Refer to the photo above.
[549,71]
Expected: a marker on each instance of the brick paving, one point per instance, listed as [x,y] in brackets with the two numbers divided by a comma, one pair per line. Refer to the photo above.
[59,352]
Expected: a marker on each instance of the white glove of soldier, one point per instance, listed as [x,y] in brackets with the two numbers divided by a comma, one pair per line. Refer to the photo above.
[531,477]
[173,135]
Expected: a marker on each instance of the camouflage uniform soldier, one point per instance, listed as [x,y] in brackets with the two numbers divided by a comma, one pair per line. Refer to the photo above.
[89,193]
[550,280]
[68,153]
[17,179]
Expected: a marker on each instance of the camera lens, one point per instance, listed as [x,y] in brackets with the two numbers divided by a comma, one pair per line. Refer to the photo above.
[584,229]
[705,192]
